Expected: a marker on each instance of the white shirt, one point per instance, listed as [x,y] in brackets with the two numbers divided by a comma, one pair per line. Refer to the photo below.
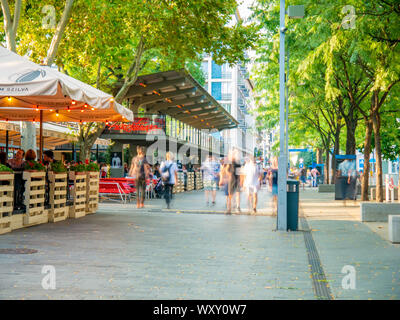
[172,169]
[252,175]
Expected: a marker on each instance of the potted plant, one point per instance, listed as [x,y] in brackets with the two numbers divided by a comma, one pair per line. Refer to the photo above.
[92,167]
[32,165]
[78,168]
[5,170]
[58,167]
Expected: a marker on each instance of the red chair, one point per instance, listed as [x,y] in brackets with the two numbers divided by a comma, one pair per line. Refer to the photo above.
[111,189]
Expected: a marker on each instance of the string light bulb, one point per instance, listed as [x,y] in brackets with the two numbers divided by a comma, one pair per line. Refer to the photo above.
[57,113]
[9,99]
[68,109]
[73,102]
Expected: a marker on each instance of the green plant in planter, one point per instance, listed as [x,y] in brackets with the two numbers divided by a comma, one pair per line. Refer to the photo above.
[58,167]
[79,167]
[93,167]
[34,165]
[4,168]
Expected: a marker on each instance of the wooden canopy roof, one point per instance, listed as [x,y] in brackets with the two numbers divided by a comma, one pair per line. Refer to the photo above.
[178,94]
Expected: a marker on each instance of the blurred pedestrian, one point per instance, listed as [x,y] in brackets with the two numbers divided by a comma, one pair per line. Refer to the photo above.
[314,176]
[303,177]
[273,181]
[211,170]
[231,179]
[169,176]
[252,182]
[140,170]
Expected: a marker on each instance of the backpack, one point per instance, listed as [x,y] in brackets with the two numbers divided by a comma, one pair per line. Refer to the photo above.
[165,174]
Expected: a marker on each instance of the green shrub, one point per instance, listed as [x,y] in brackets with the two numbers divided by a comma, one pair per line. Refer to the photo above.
[58,167]
[4,168]
[79,167]
[94,167]
[34,165]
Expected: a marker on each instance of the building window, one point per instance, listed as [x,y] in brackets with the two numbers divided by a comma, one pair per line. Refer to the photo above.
[226,71]
[216,90]
[204,68]
[216,71]
[226,91]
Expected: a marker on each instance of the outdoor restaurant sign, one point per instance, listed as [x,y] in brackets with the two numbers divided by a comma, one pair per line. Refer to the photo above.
[140,125]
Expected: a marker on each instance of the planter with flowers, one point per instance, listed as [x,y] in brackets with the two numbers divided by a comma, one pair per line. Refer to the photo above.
[35,182]
[92,187]
[77,174]
[58,184]
[6,198]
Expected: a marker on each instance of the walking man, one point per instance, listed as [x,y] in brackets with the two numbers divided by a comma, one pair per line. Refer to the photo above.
[140,170]
[210,178]
[169,176]
[252,183]
[314,176]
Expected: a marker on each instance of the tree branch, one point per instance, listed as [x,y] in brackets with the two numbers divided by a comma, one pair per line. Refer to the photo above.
[55,42]
[17,14]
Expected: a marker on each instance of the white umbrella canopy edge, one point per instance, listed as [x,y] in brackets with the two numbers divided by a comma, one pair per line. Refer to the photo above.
[26,85]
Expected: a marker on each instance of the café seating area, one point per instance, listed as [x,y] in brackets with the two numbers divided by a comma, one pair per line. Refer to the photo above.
[30,198]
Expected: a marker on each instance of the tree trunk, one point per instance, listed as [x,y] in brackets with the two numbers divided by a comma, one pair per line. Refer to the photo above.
[86,141]
[367,152]
[336,147]
[327,166]
[376,120]
[319,156]
[351,136]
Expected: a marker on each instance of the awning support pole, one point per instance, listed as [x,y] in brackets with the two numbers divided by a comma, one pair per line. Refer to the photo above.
[7,143]
[41,137]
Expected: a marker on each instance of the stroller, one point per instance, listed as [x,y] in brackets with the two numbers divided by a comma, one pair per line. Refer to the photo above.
[158,189]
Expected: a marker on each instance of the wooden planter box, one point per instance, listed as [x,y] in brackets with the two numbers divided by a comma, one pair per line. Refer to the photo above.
[78,192]
[17,221]
[58,196]
[190,181]
[6,201]
[34,198]
[92,192]
[179,185]
[199,180]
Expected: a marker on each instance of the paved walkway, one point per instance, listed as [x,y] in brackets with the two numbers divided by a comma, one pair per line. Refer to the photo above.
[195,252]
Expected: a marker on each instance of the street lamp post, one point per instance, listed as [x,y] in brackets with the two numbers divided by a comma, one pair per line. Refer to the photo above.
[294,12]
[282,163]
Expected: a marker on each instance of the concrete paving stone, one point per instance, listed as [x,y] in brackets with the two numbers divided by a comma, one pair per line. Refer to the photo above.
[125,253]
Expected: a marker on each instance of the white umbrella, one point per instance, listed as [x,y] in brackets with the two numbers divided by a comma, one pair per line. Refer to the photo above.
[27,88]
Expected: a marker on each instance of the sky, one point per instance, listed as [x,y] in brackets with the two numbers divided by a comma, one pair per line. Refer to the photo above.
[243,8]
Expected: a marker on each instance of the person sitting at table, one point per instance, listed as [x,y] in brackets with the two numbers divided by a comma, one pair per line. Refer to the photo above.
[48,157]
[17,163]
[30,155]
